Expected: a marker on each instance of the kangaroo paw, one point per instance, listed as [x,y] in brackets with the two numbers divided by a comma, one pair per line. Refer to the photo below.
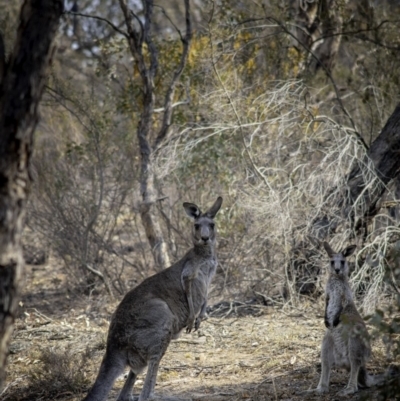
[189,325]
[197,323]
[318,390]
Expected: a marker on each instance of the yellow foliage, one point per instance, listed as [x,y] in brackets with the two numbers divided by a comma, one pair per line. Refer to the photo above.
[200,45]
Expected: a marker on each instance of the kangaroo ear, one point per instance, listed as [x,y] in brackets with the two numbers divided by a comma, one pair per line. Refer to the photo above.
[192,210]
[214,208]
[349,250]
[328,249]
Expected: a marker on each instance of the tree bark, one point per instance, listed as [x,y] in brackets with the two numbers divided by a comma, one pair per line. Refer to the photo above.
[317,27]
[305,14]
[367,181]
[2,59]
[326,46]
[148,71]
[21,90]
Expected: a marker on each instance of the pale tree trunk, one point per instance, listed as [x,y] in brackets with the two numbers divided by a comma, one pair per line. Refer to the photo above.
[139,36]
[150,219]
[305,15]
[317,27]
[325,47]
[21,89]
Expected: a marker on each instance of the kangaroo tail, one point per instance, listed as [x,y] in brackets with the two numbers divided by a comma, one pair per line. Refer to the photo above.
[367,380]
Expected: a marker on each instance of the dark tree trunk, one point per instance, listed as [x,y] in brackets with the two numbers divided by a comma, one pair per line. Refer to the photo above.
[367,181]
[21,89]
[358,201]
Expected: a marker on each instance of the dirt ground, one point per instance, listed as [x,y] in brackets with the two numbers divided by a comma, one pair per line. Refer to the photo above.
[259,353]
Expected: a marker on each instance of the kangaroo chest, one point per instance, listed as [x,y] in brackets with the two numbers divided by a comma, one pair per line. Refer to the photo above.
[200,273]
[338,301]
[333,309]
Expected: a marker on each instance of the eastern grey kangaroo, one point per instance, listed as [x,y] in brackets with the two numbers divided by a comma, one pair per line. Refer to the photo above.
[346,341]
[157,310]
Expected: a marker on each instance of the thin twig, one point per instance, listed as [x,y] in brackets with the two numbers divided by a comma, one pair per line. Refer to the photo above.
[100,19]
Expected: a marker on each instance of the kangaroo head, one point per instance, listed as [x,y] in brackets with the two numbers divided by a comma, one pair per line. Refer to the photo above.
[338,264]
[203,226]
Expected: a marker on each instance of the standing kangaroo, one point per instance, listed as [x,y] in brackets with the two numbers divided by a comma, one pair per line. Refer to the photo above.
[157,310]
[346,342]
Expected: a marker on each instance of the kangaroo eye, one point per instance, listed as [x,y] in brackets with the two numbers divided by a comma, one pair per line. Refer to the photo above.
[342,262]
[332,263]
[212,225]
[197,226]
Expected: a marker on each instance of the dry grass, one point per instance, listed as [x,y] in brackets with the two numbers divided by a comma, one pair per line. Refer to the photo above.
[270,355]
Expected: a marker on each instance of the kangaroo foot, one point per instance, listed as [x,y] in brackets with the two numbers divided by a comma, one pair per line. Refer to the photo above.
[318,390]
[167,398]
[347,391]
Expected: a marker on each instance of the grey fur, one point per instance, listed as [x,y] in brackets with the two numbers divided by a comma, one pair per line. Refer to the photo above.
[157,310]
[346,340]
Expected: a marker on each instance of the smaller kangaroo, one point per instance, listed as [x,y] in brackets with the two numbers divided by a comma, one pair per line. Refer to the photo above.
[346,341]
[157,310]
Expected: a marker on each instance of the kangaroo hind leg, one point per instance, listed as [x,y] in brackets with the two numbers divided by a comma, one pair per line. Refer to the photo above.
[151,377]
[355,366]
[327,359]
[125,394]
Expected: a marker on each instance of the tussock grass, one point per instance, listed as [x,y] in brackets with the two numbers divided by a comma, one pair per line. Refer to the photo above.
[56,374]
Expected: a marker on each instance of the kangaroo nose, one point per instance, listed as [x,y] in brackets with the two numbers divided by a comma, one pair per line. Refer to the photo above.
[205,238]
[337,271]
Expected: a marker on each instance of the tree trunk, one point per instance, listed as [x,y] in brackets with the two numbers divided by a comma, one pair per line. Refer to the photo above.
[147,67]
[21,90]
[356,203]
[151,222]
[305,14]
[367,181]
[317,27]
[147,187]
[326,46]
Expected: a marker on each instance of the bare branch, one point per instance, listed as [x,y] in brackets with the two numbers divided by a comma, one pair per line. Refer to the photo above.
[99,19]
[133,36]
[162,109]
[327,72]
[168,107]
[170,20]
[99,274]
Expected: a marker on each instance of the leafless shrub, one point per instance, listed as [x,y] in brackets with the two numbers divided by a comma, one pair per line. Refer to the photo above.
[312,155]
[83,191]
[296,158]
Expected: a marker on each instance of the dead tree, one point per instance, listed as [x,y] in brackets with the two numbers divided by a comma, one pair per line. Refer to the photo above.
[21,89]
[140,42]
